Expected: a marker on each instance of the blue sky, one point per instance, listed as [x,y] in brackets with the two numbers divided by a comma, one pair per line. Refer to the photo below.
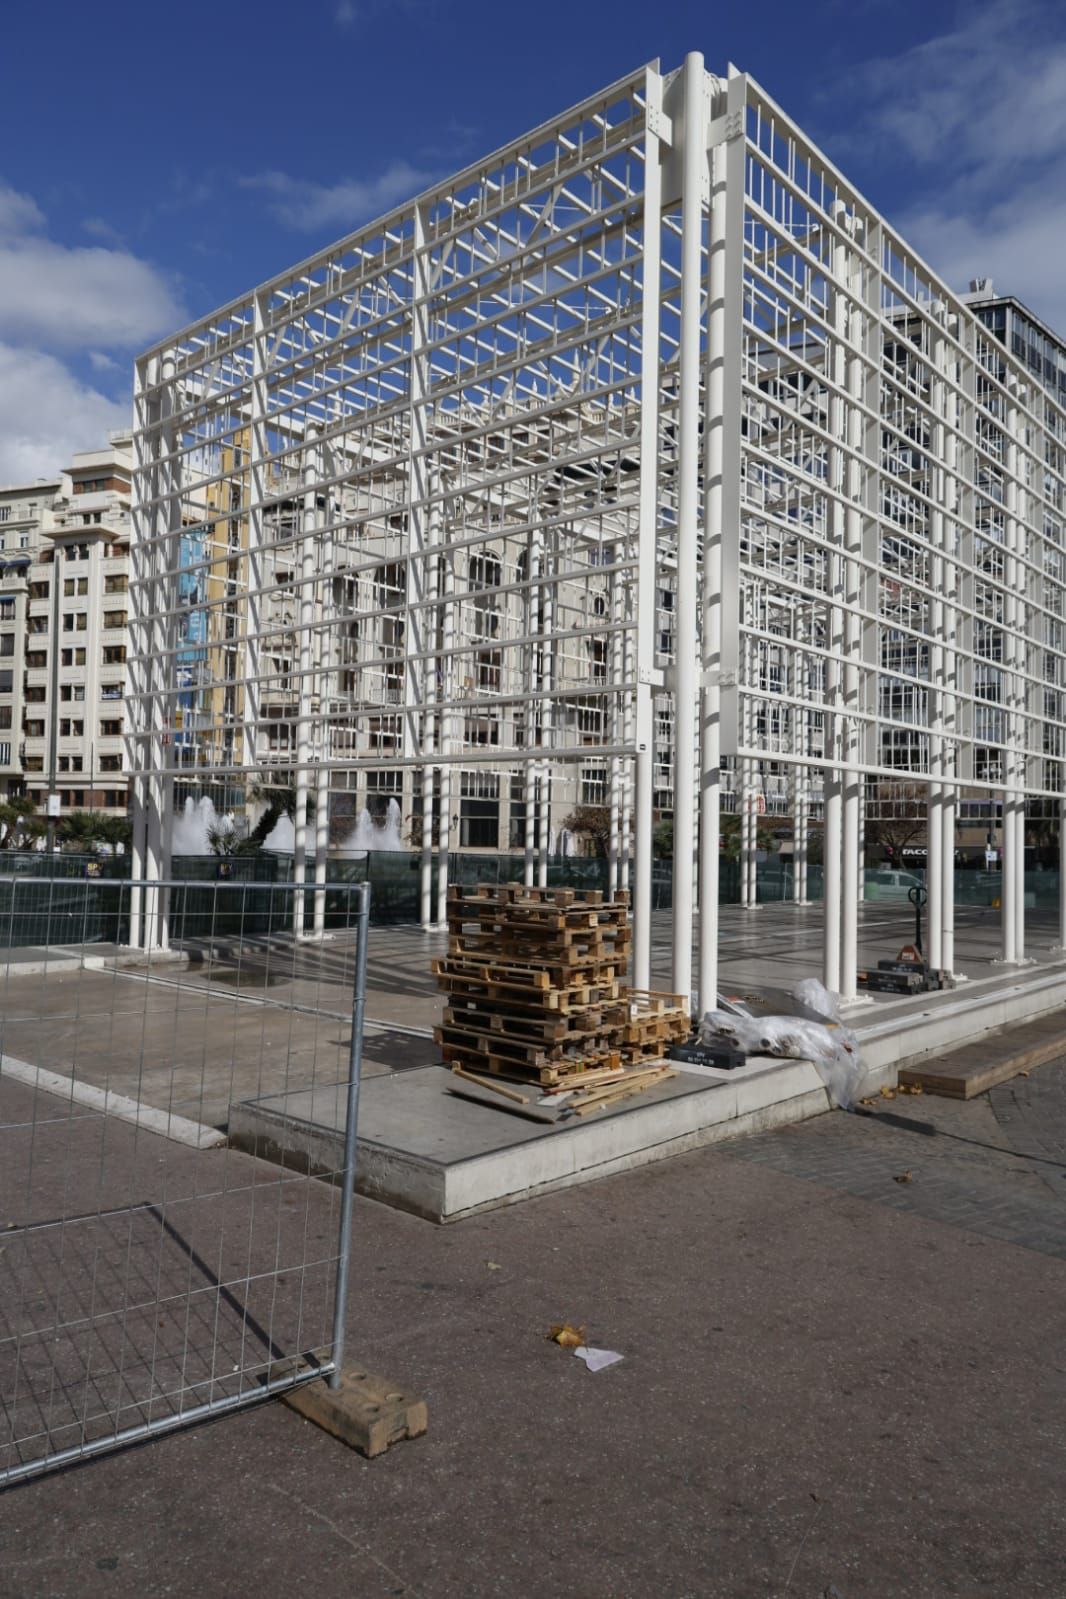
[144,179]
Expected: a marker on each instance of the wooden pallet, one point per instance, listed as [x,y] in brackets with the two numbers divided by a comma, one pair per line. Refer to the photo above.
[532,983]
[551,1074]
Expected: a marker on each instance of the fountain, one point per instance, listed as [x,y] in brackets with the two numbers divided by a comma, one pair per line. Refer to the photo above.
[281,839]
[368,835]
[194,826]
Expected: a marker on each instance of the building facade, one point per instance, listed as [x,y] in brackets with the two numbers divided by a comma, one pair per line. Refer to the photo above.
[64,576]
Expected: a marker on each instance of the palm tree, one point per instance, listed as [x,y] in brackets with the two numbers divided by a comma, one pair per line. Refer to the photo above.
[19,825]
[85,830]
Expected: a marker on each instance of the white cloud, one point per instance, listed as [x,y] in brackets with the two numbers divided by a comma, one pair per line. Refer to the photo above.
[975,121]
[310,206]
[1019,243]
[101,362]
[46,414]
[58,297]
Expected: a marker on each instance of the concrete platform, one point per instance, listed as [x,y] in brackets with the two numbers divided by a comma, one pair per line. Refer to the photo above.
[423,1149]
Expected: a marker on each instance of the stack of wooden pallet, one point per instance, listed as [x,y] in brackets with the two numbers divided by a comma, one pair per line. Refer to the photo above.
[533,979]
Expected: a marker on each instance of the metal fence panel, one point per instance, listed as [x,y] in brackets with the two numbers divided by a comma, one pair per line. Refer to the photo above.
[150,1274]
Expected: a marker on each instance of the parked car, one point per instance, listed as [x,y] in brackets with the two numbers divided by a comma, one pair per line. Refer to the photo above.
[884,882]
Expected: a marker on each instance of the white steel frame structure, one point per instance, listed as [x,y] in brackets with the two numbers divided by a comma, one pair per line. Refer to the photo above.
[643,445]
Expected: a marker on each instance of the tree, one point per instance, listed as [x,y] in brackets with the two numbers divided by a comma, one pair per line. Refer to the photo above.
[592,822]
[896,815]
[662,841]
[730,831]
[20,827]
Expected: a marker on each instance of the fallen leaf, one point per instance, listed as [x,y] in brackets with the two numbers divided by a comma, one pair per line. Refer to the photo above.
[903,1177]
[493,1265]
[1023,1074]
[570,1337]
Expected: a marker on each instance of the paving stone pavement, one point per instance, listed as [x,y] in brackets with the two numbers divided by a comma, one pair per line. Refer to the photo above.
[995,1165]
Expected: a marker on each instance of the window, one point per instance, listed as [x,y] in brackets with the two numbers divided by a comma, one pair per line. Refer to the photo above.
[5,753]
[75,585]
[41,590]
[114,654]
[7,644]
[114,618]
[72,691]
[5,716]
[110,763]
[479,810]
[111,728]
[75,622]
[115,583]
[72,657]
[70,729]
[5,513]
[36,660]
[6,679]
[7,610]
[35,696]
[111,691]
[38,624]
[34,729]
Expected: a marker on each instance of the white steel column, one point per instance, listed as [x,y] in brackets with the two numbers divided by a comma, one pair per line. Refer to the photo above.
[159,665]
[1061,946]
[947,455]
[446,578]
[831,877]
[934,877]
[138,756]
[1013,888]
[325,610]
[836,730]
[258,487]
[535,630]
[547,684]
[850,335]
[934,857]
[721,495]
[616,729]
[647,542]
[947,888]
[309,516]
[693,168]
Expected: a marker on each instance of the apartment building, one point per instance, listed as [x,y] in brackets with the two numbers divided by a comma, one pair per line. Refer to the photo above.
[64,572]
[27,517]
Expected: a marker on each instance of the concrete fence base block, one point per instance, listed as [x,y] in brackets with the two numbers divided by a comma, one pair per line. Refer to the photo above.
[365,1412]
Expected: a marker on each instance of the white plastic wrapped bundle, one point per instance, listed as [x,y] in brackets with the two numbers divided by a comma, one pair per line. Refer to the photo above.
[832,1049]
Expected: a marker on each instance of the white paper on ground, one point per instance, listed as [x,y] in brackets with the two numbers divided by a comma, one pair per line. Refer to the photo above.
[598,1359]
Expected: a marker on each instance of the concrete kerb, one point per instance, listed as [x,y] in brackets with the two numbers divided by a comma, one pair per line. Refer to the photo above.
[179,1129]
